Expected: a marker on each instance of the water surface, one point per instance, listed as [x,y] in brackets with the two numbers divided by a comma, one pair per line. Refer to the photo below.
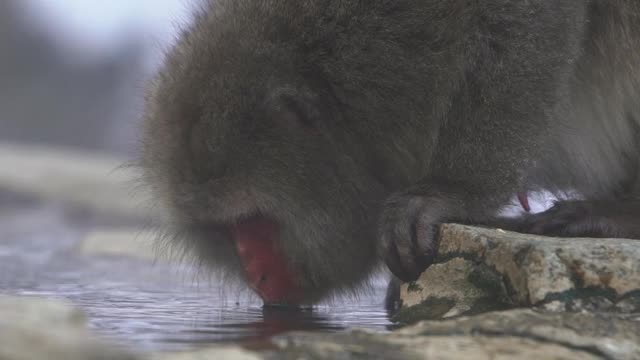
[143,304]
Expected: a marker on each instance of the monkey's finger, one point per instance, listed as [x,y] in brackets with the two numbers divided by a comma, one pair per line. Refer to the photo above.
[426,240]
[397,236]
[551,222]
[401,249]
[548,228]
[588,226]
[396,263]
[505,223]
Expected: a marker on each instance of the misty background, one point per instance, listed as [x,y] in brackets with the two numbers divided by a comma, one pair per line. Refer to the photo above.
[73,72]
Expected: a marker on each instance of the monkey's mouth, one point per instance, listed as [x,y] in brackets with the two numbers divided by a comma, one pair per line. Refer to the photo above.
[266,269]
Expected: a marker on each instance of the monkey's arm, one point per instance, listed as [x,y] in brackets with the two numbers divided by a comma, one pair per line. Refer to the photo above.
[494,132]
[484,151]
[615,218]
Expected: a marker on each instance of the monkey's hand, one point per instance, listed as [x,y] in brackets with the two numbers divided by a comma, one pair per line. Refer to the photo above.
[408,228]
[585,218]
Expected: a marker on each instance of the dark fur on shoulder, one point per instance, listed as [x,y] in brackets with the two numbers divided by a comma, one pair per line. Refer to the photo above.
[360,126]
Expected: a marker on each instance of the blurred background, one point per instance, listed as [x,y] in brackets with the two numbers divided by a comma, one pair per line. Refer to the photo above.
[72,71]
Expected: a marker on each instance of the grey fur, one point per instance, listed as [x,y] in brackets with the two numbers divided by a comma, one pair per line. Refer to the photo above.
[362,125]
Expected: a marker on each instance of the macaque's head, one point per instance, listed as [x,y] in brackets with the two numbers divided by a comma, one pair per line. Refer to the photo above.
[248,149]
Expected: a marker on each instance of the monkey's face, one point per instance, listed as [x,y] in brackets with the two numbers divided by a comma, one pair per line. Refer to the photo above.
[266,183]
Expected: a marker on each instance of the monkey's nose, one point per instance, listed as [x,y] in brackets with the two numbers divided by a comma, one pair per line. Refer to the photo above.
[266,269]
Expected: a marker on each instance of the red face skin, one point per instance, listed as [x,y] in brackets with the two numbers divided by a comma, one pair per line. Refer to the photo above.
[265,267]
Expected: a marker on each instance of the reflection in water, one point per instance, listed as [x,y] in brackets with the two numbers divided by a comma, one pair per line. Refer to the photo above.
[268,322]
[151,306]
[275,321]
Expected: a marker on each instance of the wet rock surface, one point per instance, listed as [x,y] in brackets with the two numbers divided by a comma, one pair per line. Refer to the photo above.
[521,270]
[601,336]
[585,291]
[34,328]
[453,288]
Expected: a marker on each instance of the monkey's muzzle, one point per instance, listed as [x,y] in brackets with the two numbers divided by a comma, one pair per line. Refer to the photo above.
[266,269]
